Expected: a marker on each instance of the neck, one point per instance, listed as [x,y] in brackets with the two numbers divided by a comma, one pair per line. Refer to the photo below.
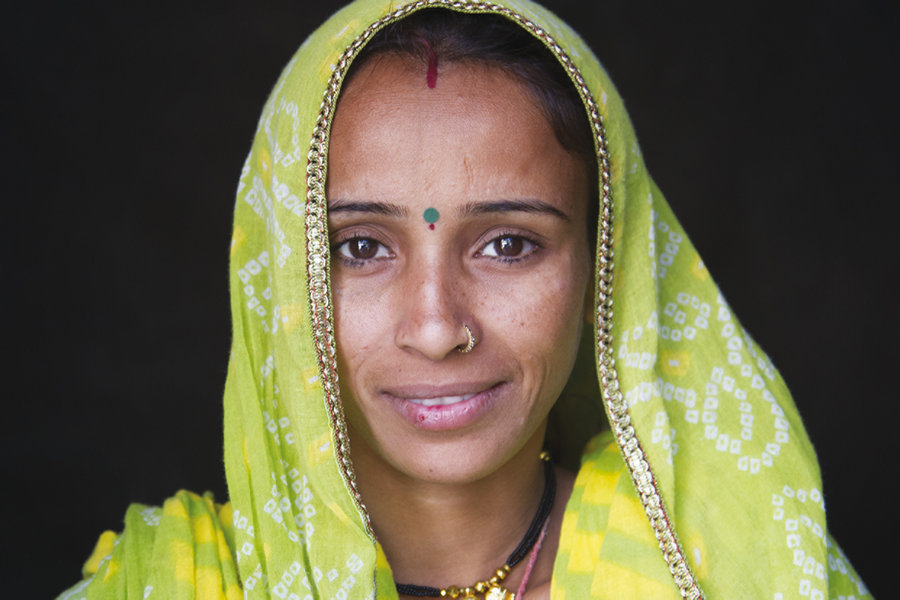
[441,534]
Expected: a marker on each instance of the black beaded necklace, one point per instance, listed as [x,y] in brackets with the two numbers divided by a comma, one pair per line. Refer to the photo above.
[491,588]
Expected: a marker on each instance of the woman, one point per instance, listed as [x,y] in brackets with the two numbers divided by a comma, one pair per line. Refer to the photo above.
[414,259]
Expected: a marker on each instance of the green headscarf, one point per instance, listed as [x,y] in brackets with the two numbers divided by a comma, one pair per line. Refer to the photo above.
[699,479]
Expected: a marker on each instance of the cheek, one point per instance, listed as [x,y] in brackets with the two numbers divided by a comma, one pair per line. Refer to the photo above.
[361,310]
[549,301]
[358,330]
[540,321]
[557,325]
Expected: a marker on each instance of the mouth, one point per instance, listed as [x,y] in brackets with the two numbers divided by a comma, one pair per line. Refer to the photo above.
[444,408]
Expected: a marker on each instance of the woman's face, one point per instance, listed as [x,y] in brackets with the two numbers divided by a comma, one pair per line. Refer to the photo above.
[507,256]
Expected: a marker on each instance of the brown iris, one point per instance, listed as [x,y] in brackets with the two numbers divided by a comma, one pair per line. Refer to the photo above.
[362,248]
[509,246]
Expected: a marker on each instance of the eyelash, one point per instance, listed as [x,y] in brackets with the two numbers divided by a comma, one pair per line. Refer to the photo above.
[531,247]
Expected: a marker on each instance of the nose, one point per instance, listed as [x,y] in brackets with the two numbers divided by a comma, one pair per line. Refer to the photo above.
[433,312]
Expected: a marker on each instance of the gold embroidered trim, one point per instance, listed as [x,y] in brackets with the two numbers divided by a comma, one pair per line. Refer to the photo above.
[317,264]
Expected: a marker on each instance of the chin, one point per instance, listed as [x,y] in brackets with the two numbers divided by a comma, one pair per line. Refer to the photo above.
[445,457]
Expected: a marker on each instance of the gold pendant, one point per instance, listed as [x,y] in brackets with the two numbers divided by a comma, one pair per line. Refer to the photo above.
[497,592]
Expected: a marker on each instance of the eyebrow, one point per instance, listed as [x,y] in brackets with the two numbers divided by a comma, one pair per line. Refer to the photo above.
[528,205]
[378,208]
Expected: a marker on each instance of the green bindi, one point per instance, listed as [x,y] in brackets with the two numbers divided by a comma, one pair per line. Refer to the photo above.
[431,216]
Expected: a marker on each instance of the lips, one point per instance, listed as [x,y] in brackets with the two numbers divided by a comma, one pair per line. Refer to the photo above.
[443,408]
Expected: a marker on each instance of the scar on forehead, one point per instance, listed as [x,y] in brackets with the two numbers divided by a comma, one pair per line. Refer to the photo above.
[431,216]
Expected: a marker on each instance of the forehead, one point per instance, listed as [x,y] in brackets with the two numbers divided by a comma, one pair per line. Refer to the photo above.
[389,88]
[476,132]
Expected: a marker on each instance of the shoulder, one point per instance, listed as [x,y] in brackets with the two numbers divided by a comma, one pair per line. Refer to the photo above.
[187,540]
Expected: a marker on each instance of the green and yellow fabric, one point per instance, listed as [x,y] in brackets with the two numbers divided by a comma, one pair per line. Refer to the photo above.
[699,479]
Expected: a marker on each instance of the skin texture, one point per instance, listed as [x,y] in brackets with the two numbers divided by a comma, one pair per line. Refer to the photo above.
[451,488]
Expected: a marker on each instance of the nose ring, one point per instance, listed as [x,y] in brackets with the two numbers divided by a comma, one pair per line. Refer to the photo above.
[470,343]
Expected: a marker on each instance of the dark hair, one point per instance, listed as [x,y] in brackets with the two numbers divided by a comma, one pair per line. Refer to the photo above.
[453,37]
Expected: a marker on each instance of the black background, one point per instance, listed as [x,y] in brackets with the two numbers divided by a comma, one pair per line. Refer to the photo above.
[771,128]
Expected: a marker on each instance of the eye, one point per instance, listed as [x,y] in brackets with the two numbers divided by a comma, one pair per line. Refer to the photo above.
[361,248]
[509,247]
